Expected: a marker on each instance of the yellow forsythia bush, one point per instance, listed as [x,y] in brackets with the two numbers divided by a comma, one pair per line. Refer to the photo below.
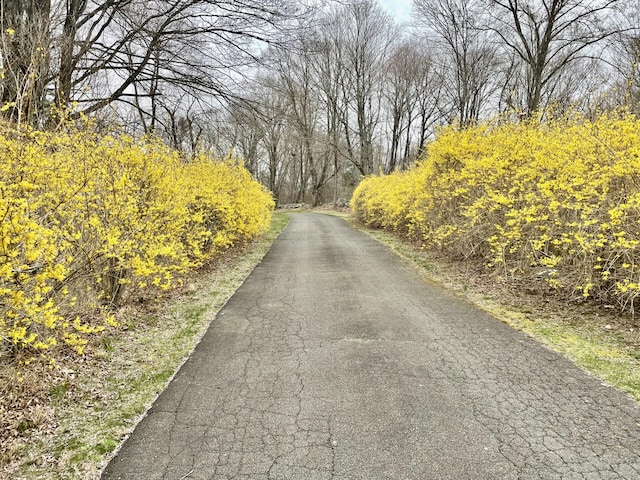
[557,200]
[85,217]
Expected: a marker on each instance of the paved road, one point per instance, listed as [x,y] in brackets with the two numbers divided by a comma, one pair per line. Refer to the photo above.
[335,360]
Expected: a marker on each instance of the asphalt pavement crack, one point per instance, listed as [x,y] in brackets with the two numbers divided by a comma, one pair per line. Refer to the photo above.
[335,361]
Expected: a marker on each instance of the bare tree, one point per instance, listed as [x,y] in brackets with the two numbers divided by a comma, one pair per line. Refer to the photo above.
[413,87]
[364,35]
[547,36]
[182,129]
[245,132]
[400,98]
[330,74]
[25,59]
[623,60]
[273,111]
[465,52]
[300,84]
[131,52]
[428,88]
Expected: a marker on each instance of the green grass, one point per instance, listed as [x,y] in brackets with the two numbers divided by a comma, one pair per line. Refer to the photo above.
[598,351]
[601,343]
[111,392]
[108,395]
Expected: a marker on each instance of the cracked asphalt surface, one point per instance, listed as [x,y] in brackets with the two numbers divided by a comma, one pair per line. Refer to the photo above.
[335,360]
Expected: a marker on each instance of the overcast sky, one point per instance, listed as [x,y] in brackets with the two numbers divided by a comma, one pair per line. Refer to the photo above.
[400,9]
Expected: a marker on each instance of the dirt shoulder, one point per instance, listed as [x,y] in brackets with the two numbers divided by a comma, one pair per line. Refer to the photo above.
[66,422]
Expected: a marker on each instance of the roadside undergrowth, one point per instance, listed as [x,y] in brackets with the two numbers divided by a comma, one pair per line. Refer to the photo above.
[74,427]
[602,341]
[549,200]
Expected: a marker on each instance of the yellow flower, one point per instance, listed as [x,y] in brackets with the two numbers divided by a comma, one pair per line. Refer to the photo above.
[561,194]
[90,216]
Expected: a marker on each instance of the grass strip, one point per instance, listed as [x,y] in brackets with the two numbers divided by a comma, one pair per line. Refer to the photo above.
[602,343]
[100,401]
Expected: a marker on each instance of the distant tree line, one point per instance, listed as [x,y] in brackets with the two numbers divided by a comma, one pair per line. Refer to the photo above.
[313,97]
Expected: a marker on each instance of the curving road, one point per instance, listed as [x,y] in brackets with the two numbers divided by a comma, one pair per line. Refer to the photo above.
[335,360]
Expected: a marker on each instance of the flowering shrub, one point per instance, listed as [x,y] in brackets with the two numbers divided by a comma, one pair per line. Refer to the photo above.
[86,217]
[556,200]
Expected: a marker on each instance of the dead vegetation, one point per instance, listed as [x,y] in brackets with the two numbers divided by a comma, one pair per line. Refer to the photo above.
[593,334]
[67,420]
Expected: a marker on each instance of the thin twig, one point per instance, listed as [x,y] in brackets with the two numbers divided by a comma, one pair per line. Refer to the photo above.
[189,473]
